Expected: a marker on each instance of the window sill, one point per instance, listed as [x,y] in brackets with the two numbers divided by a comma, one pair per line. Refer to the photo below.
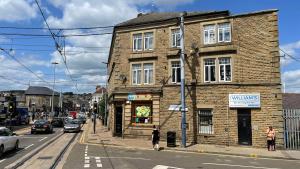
[206,135]
[217,44]
[148,125]
[142,51]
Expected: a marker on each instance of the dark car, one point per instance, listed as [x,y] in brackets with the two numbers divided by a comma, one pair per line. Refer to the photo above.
[57,122]
[41,126]
[72,126]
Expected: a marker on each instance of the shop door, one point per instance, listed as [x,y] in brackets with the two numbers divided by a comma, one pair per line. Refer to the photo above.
[244,127]
[118,127]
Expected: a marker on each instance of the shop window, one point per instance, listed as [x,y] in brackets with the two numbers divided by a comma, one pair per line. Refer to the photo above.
[175,71]
[175,37]
[225,69]
[141,113]
[205,122]
[209,70]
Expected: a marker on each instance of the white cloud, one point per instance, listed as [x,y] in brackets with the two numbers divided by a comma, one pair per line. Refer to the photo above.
[292,49]
[16,10]
[291,81]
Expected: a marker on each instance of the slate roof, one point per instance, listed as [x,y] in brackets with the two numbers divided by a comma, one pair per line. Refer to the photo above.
[162,16]
[39,90]
[291,100]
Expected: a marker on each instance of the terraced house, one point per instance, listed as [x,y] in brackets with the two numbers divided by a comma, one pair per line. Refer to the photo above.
[232,71]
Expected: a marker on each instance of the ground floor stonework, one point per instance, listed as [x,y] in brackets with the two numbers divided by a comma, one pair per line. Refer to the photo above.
[215,114]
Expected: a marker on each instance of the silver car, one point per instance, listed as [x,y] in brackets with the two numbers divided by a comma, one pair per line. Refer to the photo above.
[72,126]
[8,140]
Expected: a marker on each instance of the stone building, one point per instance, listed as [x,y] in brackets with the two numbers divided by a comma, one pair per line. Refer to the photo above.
[232,72]
[39,99]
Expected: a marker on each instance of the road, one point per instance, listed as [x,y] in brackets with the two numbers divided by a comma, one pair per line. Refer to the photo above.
[97,156]
[28,142]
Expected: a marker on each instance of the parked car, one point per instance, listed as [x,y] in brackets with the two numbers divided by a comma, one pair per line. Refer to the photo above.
[72,126]
[41,126]
[57,122]
[8,140]
[82,119]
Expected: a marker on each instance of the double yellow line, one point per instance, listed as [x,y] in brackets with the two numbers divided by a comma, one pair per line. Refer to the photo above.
[85,130]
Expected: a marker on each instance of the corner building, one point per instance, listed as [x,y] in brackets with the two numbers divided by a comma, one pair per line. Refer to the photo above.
[232,77]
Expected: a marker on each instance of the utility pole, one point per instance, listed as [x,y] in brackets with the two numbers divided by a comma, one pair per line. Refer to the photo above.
[52,102]
[182,84]
[105,96]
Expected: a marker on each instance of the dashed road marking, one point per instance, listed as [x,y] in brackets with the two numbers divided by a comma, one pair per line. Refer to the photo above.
[2,160]
[98,162]
[86,165]
[43,139]
[28,146]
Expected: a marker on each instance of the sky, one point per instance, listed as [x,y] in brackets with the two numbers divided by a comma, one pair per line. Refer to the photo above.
[27,60]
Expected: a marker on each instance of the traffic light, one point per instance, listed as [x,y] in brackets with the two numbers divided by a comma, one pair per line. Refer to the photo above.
[95,107]
[11,106]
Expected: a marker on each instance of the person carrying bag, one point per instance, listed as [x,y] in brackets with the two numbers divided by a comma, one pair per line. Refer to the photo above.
[155,138]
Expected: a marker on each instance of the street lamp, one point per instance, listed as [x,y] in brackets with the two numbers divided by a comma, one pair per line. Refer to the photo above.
[52,102]
[105,99]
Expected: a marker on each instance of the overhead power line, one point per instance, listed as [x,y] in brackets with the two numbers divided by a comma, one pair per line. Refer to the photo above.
[292,57]
[58,48]
[54,35]
[37,28]
[27,68]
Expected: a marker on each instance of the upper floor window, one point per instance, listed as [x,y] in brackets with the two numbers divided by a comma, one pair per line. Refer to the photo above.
[209,70]
[137,42]
[148,73]
[224,32]
[136,74]
[148,41]
[175,72]
[225,69]
[142,70]
[175,37]
[209,34]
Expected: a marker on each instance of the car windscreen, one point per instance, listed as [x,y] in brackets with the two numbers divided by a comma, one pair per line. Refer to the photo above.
[40,122]
[73,122]
[3,133]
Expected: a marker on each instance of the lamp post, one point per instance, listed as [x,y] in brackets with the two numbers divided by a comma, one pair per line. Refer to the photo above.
[52,102]
[105,99]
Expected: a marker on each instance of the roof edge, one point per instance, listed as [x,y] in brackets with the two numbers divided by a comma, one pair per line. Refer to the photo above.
[256,12]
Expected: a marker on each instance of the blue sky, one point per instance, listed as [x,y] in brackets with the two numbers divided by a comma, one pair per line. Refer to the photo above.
[84,55]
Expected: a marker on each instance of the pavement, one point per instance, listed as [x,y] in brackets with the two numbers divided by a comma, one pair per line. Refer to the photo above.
[103,136]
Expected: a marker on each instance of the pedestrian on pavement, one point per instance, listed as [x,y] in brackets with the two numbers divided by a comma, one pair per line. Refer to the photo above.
[155,138]
[271,138]
[33,116]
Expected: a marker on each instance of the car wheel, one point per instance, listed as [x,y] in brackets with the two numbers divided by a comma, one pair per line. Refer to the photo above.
[1,150]
[32,132]
[17,145]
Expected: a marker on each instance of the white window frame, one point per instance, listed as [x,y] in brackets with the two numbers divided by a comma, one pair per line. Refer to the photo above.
[146,72]
[147,40]
[209,29]
[179,67]
[224,29]
[210,128]
[134,74]
[224,65]
[136,39]
[209,75]
[175,33]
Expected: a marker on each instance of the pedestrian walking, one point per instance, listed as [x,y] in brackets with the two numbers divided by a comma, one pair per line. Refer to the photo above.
[155,138]
[33,116]
[271,138]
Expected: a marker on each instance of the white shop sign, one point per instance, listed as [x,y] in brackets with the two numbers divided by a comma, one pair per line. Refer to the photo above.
[249,100]
[176,107]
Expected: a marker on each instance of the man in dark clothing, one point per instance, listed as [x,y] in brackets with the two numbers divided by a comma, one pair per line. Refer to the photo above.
[155,138]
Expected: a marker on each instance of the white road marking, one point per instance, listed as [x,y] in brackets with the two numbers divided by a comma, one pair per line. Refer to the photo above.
[86,161]
[129,158]
[97,158]
[43,139]
[86,165]
[99,165]
[165,167]
[87,158]
[2,160]
[98,161]
[242,166]
[28,146]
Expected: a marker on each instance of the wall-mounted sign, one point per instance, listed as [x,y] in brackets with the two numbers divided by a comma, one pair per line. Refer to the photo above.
[176,107]
[133,97]
[249,100]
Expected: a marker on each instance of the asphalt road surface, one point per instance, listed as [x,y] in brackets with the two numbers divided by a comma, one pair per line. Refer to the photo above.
[97,156]
[28,142]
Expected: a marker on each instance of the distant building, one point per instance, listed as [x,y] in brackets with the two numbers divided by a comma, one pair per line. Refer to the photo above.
[97,96]
[291,100]
[39,98]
